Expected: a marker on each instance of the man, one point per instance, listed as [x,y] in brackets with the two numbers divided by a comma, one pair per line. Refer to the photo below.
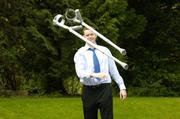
[95,71]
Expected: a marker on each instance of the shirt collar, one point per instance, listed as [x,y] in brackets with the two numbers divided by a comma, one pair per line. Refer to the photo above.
[87,46]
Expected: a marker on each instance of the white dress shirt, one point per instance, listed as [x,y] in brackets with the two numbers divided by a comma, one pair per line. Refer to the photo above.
[84,67]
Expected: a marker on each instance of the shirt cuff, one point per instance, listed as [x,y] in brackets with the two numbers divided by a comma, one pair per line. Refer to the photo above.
[88,75]
[122,87]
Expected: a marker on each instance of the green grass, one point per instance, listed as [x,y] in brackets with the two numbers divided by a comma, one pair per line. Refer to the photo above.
[71,108]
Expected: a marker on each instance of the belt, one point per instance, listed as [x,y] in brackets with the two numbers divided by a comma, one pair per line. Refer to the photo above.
[97,86]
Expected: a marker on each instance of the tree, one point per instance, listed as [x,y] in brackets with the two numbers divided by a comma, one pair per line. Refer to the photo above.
[155,63]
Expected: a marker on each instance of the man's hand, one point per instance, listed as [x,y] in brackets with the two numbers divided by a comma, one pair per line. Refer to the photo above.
[98,75]
[123,94]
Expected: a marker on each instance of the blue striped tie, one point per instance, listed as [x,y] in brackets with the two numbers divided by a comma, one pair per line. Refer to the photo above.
[95,61]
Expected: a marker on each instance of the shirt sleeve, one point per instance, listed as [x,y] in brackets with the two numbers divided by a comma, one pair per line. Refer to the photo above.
[115,73]
[80,66]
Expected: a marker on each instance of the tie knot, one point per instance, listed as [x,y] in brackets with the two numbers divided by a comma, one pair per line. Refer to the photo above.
[92,49]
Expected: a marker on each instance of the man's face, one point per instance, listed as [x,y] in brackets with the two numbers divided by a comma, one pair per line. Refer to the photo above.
[88,34]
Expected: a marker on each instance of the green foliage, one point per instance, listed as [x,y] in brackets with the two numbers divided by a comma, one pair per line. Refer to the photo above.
[72,86]
[36,55]
[154,58]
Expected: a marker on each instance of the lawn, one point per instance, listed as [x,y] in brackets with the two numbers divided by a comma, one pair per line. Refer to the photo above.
[71,108]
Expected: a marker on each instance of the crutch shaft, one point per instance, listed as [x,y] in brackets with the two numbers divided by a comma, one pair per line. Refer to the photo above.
[121,50]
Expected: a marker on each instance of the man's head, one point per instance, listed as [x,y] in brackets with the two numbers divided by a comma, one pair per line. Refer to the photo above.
[89,35]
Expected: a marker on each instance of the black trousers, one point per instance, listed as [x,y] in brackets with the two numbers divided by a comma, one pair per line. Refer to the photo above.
[97,97]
